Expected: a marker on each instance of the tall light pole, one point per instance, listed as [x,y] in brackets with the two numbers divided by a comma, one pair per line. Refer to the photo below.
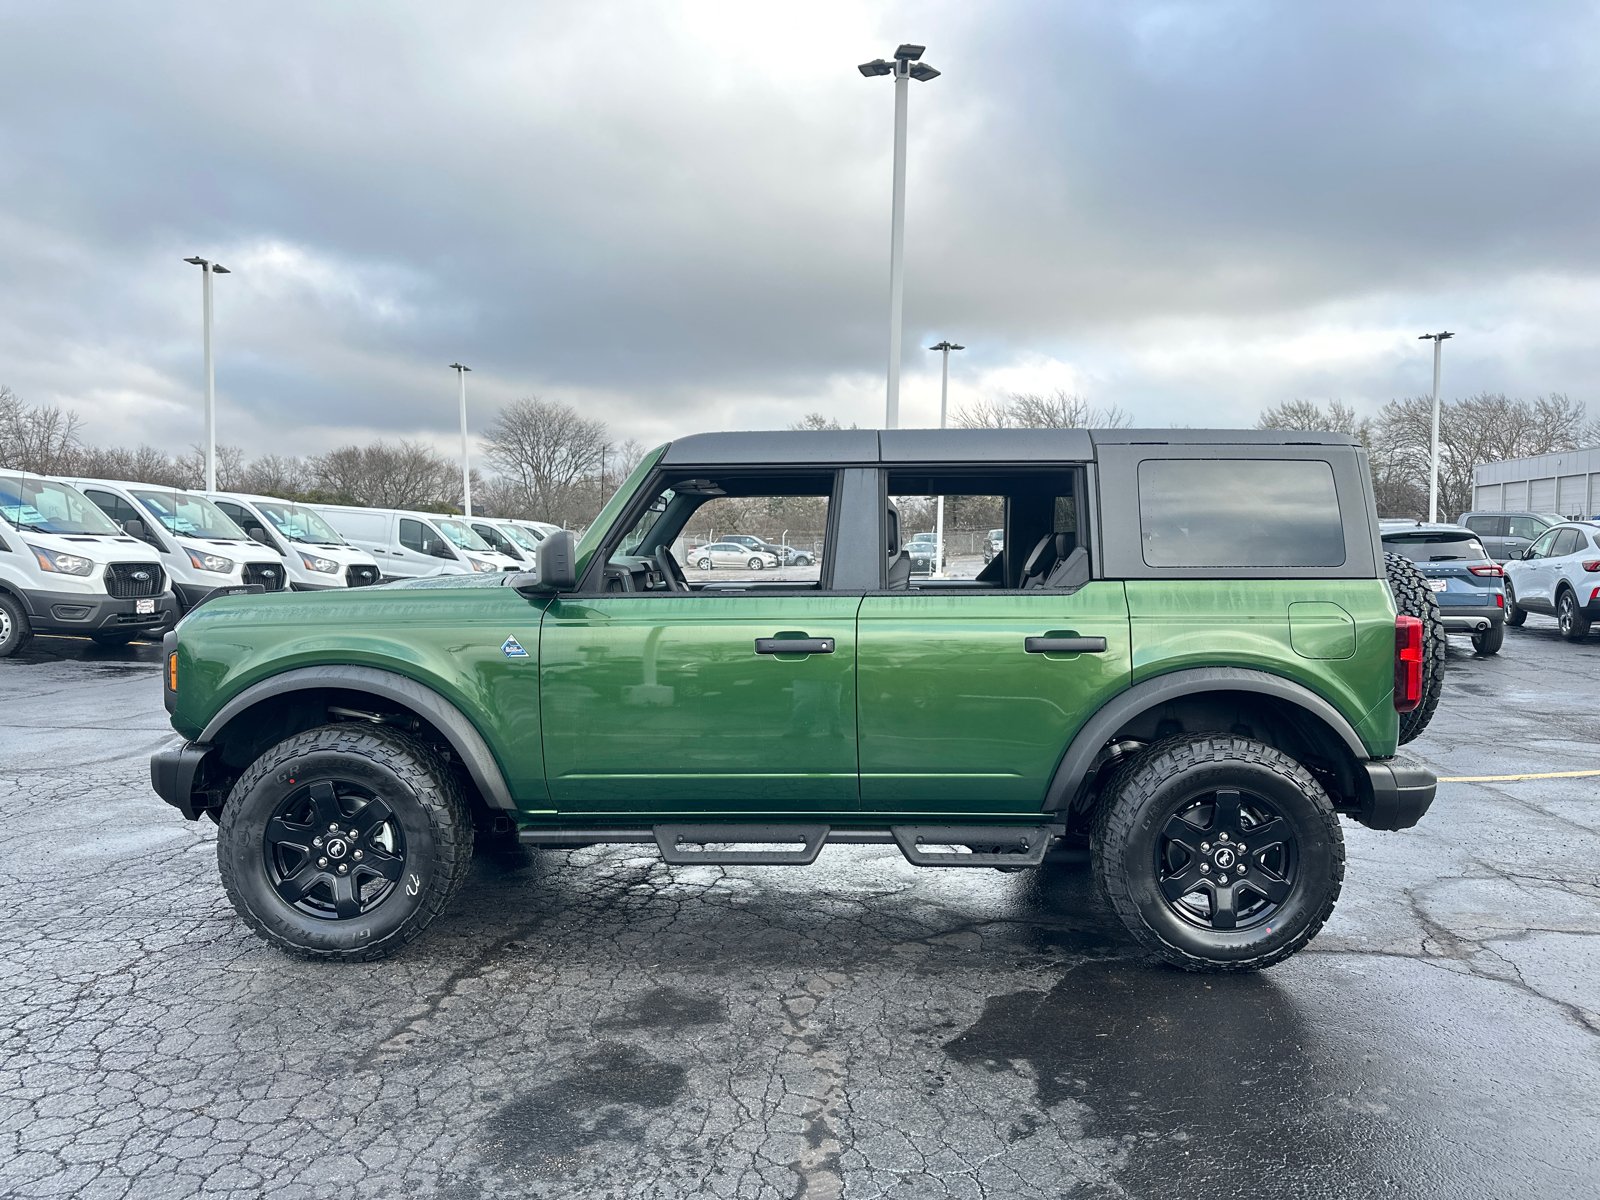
[944,399]
[466,472]
[1438,340]
[904,67]
[207,270]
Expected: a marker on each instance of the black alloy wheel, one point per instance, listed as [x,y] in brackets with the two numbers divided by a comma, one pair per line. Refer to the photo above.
[1515,613]
[1218,852]
[334,850]
[344,842]
[1573,620]
[1227,860]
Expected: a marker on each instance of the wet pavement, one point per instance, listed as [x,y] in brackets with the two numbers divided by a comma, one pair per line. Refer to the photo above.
[591,1023]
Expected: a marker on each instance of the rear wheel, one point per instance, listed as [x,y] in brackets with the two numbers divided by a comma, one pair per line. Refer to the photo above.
[1413,598]
[1219,853]
[344,842]
[1489,641]
[705,564]
[755,564]
[1515,613]
[1570,616]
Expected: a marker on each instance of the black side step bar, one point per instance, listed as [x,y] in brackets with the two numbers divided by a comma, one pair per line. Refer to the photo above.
[987,845]
[683,845]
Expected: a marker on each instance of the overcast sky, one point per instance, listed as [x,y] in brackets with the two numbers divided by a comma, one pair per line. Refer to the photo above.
[676,215]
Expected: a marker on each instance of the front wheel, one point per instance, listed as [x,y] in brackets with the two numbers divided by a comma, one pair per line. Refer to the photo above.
[755,564]
[1218,853]
[344,842]
[15,632]
[1573,620]
[1489,641]
[1515,613]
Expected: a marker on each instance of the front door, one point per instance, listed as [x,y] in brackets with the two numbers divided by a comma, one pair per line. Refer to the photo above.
[685,703]
[964,709]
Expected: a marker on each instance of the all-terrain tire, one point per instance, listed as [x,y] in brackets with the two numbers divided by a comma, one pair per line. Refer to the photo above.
[434,825]
[1489,641]
[1515,613]
[15,631]
[1145,797]
[1414,599]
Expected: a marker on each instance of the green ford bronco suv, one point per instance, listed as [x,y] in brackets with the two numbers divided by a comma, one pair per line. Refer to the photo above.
[1189,658]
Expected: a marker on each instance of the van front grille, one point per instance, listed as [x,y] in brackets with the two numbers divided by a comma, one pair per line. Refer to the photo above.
[360,576]
[129,581]
[269,575]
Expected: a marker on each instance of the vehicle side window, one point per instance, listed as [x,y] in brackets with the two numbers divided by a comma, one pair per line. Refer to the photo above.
[1214,512]
[1487,526]
[1523,527]
[1566,543]
[236,512]
[115,507]
[412,536]
[1541,548]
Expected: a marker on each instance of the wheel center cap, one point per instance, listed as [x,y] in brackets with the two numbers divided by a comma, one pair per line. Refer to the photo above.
[1224,858]
[337,847]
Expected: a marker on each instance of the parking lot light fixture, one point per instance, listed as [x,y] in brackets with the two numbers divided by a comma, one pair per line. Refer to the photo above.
[207,270]
[944,397]
[904,67]
[1438,340]
[466,474]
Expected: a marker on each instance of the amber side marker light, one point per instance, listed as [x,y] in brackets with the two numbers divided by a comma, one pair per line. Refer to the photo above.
[172,671]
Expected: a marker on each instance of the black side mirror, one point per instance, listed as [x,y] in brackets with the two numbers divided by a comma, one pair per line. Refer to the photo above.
[440,550]
[554,567]
[135,528]
[257,534]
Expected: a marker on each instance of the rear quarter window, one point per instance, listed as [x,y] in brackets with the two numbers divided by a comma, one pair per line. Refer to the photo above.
[1219,512]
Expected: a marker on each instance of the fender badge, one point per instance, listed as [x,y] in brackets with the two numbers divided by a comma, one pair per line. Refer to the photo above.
[513,649]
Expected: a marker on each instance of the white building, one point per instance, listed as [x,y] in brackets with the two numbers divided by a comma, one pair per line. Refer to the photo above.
[1566,483]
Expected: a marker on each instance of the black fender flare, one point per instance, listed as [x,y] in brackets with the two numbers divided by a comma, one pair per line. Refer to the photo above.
[449,720]
[1079,759]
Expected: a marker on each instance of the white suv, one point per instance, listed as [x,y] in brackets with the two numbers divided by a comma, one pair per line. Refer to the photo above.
[1559,575]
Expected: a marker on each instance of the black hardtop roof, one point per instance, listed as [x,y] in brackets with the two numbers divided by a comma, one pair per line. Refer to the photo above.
[890,446]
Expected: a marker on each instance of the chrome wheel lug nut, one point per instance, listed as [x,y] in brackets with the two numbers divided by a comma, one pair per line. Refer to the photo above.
[1205,866]
[316,841]
[322,862]
[334,828]
[344,868]
[1205,845]
[1239,870]
[358,854]
[1220,878]
[1222,837]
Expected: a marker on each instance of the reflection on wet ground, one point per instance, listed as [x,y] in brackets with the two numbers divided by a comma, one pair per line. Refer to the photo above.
[592,1023]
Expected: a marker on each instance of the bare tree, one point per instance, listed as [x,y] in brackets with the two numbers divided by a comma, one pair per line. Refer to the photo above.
[550,453]
[406,475]
[1028,410]
[276,475]
[39,438]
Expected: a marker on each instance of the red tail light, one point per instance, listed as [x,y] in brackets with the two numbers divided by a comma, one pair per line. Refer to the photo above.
[1500,599]
[1592,565]
[1491,569]
[1407,663]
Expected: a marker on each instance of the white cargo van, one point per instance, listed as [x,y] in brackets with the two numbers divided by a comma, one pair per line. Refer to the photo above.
[200,547]
[65,568]
[316,555]
[409,545]
[509,538]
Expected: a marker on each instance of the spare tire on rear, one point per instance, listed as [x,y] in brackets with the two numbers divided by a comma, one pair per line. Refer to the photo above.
[1414,598]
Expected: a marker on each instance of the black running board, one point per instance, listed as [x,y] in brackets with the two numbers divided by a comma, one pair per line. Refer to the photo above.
[922,845]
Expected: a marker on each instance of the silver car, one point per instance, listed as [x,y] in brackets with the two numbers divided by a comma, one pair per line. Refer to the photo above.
[731,554]
[1559,576]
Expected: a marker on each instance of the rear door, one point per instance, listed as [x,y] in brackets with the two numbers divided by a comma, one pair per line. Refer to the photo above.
[1491,531]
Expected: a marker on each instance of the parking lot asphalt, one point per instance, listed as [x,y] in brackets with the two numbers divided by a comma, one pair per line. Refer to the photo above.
[592,1023]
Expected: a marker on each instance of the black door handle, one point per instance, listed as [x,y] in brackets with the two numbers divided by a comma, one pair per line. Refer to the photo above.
[1064,645]
[794,645]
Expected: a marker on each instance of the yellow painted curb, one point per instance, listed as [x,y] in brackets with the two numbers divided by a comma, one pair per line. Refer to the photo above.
[1511,778]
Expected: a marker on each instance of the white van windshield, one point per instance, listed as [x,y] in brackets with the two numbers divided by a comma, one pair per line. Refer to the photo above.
[44,506]
[461,535]
[526,538]
[300,524]
[192,516]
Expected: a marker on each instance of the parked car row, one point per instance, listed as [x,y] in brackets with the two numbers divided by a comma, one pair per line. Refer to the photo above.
[748,552]
[1551,566]
[115,559]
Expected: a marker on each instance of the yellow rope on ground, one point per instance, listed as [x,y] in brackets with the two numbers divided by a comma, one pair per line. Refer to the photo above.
[1511,778]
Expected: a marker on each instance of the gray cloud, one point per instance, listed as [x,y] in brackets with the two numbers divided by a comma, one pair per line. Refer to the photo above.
[676,216]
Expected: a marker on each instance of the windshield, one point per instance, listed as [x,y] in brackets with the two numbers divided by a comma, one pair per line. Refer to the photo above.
[461,535]
[300,524]
[1422,547]
[48,507]
[526,538]
[192,516]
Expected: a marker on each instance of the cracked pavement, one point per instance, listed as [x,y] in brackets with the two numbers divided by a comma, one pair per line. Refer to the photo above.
[592,1023]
